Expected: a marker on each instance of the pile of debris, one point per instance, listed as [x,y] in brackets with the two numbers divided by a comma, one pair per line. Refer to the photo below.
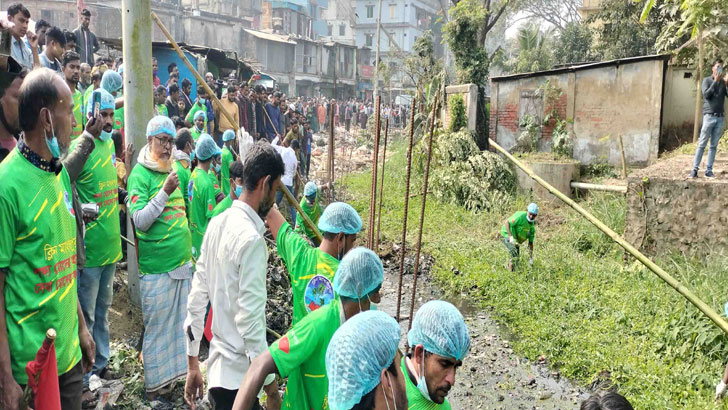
[352,154]
[278,307]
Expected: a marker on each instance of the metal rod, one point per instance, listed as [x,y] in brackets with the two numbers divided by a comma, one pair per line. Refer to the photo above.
[128,241]
[375,167]
[194,72]
[332,152]
[406,206]
[600,187]
[381,185]
[624,161]
[424,204]
[291,200]
[698,87]
[702,306]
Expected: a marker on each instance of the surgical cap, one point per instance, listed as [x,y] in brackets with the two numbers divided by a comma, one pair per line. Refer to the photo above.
[199,114]
[206,147]
[111,81]
[228,135]
[359,273]
[120,70]
[107,101]
[439,327]
[340,217]
[360,349]
[161,124]
[310,189]
[533,208]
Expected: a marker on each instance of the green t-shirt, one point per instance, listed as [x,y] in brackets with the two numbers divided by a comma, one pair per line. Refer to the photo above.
[201,195]
[300,355]
[86,98]
[78,108]
[226,160]
[415,398]
[520,227]
[196,133]
[311,271]
[119,118]
[313,212]
[38,255]
[166,245]
[222,206]
[191,114]
[162,110]
[215,182]
[97,183]
[183,174]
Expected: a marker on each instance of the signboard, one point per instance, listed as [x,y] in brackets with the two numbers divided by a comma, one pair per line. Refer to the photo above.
[367,71]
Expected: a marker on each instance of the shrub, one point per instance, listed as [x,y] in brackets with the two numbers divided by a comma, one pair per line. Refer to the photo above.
[456,105]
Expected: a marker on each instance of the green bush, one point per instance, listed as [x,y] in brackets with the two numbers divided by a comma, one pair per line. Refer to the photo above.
[456,105]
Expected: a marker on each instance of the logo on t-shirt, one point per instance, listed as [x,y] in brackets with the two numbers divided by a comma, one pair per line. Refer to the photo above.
[191,190]
[319,293]
[113,159]
[69,203]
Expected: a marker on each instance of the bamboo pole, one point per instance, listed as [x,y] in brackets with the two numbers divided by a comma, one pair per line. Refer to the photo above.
[599,187]
[424,205]
[624,161]
[194,72]
[381,185]
[406,206]
[375,168]
[692,298]
[698,88]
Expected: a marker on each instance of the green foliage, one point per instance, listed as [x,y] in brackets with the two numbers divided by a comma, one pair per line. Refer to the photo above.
[422,66]
[534,50]
[619,32]
[574,44]
[458,120]
[579,306]
[561,142]
[528,140]
[462,35]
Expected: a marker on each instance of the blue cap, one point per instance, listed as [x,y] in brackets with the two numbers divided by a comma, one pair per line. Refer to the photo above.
[360,272]
[161,124]
[533,208]
[228,135]
[310,189]
[199,114]
[206,147]
[440,328]
[360,349]
[340,217]
[111,81]
[107,101]
[120,70]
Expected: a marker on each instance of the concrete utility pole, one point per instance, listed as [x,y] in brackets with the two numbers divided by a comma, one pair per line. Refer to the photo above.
[376,57]
[136,24]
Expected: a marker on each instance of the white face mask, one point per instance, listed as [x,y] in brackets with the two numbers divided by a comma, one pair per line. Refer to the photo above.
[421,382]
[528,218]
[391,387]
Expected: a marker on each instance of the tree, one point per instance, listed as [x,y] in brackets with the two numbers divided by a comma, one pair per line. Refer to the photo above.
[533,50]
[574,44]
[559,13]
[619,32]
[421,66]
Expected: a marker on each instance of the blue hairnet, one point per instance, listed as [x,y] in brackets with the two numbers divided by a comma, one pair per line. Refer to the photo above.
[161,124]
[440,328]
[533,208]
[310,189]
[120,70]
[107,101]
[340,217]
[360,349]
[228,135]
[359,273]
[111,81]
[199,114]
[206,147]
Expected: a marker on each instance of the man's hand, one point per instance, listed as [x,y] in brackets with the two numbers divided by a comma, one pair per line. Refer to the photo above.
[194,387]
[720,390]
[273,402]
[94,126]
[171,183]
[11,395]
[511,239]
[88,349]
[128,153]
[32,39]
[530,261]
[726,78]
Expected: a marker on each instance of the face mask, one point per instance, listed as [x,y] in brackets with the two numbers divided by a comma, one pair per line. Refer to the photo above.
[340,254]
[192,156]
[203,101]
[216,167]
[52,144]
[421,382]
[394,400]
[529,219]
[238,190]
[105,136]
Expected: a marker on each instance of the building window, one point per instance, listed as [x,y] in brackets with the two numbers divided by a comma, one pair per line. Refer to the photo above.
[370,12]
[331,30]
[342,29]
[369,39]
[392,11]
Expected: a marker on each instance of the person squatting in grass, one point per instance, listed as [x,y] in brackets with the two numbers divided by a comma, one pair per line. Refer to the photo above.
[516,229]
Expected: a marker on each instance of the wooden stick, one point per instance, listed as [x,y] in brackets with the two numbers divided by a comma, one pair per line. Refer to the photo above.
[194,72]
[702,306]
[698,88]
[624,161]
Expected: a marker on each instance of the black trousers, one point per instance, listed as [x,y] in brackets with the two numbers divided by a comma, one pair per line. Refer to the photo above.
[223,399]
[70,385]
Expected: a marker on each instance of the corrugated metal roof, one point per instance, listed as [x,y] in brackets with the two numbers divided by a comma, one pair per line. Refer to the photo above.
[270,36]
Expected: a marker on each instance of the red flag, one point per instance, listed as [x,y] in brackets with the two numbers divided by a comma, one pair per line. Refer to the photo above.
[208,326]
[43,375]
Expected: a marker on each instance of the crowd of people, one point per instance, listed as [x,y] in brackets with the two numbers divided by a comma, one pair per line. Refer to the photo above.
[201,200]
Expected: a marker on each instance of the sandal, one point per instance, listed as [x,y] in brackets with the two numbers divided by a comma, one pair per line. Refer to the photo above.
[88,399]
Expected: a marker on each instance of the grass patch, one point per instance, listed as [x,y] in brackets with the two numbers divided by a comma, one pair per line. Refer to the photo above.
[580,305]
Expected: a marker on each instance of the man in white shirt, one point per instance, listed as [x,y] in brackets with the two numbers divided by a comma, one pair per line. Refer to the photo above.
[230,276]
[289,154]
